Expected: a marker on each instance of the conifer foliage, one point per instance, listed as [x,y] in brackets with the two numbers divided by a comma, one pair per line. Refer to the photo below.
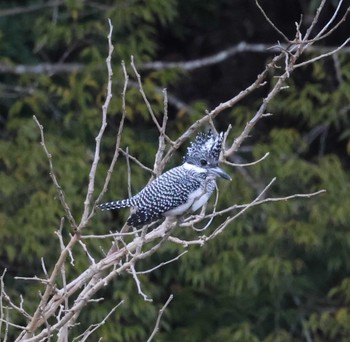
[266,261]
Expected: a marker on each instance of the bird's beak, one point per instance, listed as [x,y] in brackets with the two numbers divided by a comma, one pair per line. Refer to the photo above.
[221,173]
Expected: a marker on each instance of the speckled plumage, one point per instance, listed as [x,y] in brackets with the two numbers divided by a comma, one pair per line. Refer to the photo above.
[183,188]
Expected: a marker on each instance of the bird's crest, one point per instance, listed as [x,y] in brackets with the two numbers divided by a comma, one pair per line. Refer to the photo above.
[205,146]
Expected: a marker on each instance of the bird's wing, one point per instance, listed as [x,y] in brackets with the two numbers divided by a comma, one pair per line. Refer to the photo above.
[169,190]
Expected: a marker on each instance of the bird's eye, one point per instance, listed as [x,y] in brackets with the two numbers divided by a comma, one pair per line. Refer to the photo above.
[203,162]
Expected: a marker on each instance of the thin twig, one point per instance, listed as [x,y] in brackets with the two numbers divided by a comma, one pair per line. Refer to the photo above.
[248,164]
[329,32]
[60,192]
[160,314]
[161,144]
[119,135]
[63,334]
[330,53]
[92,174]
[337,68]
[136,161]
[203,239]
[138,284]
[325,28]
[149,107]
[114,235]
[189,223]
[91,259]
[162,264]
[271,23]
[11,303]
[92,328]
[9,323]
[315,19]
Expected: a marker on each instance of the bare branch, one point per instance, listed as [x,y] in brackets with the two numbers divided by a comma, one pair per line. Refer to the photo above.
[128,171]
[161,311]
[161,145]
[37,319]
[91,185]
[41,68]
[93,281]
[325,28]
[225,54]
[271,23]
[4,295]
[136,161]
[328,33]
[162,264]
[60,192]
[251,204]
[83,337]
[149,107]
[138,284]
[27,9]
[118,139]
[63,333]
[8,323]
[248,164]
[210,60]
[337,68]
[34,278]
[219,57]
[330,53]
[114,235]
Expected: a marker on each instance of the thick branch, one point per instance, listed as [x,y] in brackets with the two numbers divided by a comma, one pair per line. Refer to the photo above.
[219,57]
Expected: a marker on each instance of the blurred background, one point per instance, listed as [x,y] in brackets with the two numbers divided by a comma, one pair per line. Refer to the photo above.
[281,272]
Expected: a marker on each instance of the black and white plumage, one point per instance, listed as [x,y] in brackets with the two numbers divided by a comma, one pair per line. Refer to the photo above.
[183,188]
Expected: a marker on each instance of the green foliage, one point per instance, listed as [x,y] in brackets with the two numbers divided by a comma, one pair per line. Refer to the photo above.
[285,264]
[69,107]
[277,273]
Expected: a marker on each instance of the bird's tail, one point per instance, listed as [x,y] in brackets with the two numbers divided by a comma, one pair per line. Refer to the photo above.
[115,205]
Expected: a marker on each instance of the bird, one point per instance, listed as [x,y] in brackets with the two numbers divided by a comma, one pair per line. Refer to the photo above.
[181,189]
